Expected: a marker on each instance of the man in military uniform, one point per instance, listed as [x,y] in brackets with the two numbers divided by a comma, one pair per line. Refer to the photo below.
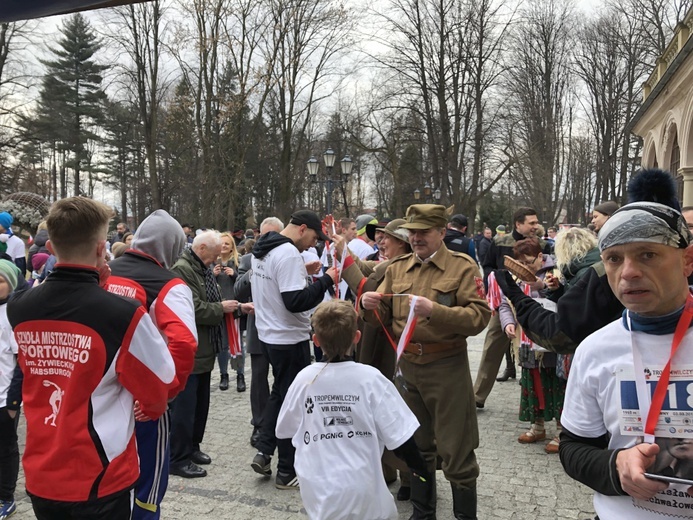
[437,384]
[496,343]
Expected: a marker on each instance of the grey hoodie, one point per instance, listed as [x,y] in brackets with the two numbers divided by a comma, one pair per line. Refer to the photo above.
[161,237]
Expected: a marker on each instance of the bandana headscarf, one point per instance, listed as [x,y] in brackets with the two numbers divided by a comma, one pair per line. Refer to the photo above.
[645,222]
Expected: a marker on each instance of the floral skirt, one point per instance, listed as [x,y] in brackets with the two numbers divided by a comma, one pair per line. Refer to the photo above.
[542,394]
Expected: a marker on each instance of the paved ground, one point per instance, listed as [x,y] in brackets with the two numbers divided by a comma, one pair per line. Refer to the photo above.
[518,482]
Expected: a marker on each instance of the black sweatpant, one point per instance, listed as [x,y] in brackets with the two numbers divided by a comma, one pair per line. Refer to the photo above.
[9,455]
[113,507]
[287,361]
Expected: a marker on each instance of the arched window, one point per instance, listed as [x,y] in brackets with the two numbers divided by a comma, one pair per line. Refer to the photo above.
[674,166]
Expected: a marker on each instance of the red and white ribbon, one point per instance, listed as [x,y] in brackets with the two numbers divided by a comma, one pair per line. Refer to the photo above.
[409,327]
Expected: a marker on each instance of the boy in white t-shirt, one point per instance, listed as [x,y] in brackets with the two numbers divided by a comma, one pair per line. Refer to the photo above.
[340,415]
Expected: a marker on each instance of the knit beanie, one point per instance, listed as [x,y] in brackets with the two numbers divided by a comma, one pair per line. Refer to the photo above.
[6,220]
[10,273]
[39,260]
[362,221]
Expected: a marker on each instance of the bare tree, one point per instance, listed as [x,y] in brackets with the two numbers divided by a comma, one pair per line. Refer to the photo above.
[609,60]
[308,37]
[137,30]
[538,92]
[446,58]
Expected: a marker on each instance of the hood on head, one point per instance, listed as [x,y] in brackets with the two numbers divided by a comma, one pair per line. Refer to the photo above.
[161,237]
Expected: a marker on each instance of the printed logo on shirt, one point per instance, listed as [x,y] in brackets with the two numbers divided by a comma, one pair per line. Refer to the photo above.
[55,352]
[309,405]
[338,421]
[306,438]
[328,436]
[336,402]
[352,434]
[55,401]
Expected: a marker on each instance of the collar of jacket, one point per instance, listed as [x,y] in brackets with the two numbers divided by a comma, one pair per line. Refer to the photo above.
[195,263]
[439,259]
[74,273]
[518,236]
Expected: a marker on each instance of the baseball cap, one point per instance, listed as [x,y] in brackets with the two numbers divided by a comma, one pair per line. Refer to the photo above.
[459,220]
[310,219]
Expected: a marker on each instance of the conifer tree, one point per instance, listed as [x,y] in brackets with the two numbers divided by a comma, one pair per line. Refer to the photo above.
[71,98]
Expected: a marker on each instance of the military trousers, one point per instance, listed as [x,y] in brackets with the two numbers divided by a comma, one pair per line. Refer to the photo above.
[440,395]
[496,344]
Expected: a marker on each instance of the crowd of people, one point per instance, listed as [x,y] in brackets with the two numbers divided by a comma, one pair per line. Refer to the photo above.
[364,325]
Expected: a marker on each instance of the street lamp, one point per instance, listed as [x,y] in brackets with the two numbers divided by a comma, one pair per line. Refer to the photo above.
[329,158]
[428,196]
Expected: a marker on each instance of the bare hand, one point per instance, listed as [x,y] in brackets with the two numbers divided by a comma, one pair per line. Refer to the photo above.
[228,271]
[229,305]
[216,270]
[332,272]
[510,331]
[537,285]
[313,268]
[631,465]
[339,243]
[12,413]
[552,283]
[139,414]
[423,306]
[370,300]
[248,308]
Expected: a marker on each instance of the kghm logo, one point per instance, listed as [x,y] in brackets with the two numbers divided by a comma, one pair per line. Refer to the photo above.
[309,405]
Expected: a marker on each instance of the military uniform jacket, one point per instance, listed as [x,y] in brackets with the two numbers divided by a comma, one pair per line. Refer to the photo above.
[452,282]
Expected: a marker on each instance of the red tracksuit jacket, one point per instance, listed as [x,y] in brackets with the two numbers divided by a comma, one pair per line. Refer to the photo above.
[85,354]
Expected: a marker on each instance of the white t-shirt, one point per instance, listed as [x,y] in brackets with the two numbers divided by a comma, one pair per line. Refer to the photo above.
[15,247]
[281,270]
[360,248]
[339,416]
[8,350]
[593,404]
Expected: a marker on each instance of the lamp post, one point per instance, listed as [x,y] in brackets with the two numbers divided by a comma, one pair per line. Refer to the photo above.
[329,157]
[429,196]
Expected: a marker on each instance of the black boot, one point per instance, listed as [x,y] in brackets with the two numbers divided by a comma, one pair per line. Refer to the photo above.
[240,383]
[464,503]
[224,383]
[423,498]
[509,372]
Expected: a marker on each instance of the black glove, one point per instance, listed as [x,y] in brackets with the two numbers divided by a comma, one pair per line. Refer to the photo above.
[508,285]
[410,454]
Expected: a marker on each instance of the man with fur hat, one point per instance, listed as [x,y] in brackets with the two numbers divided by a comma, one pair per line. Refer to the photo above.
[446,295]
[15,245]
[142,273]
[622,396]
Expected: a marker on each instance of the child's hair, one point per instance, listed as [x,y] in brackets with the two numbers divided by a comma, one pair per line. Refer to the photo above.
[335,325]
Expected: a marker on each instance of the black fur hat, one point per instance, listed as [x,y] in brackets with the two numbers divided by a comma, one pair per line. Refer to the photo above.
[653,185]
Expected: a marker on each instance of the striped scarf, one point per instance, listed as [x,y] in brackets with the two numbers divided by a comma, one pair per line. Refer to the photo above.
[213,296]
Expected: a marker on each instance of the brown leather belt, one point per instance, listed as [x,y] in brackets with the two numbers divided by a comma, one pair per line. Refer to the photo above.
[428,348]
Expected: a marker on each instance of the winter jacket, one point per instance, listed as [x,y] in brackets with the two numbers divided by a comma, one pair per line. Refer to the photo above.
[190,268]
